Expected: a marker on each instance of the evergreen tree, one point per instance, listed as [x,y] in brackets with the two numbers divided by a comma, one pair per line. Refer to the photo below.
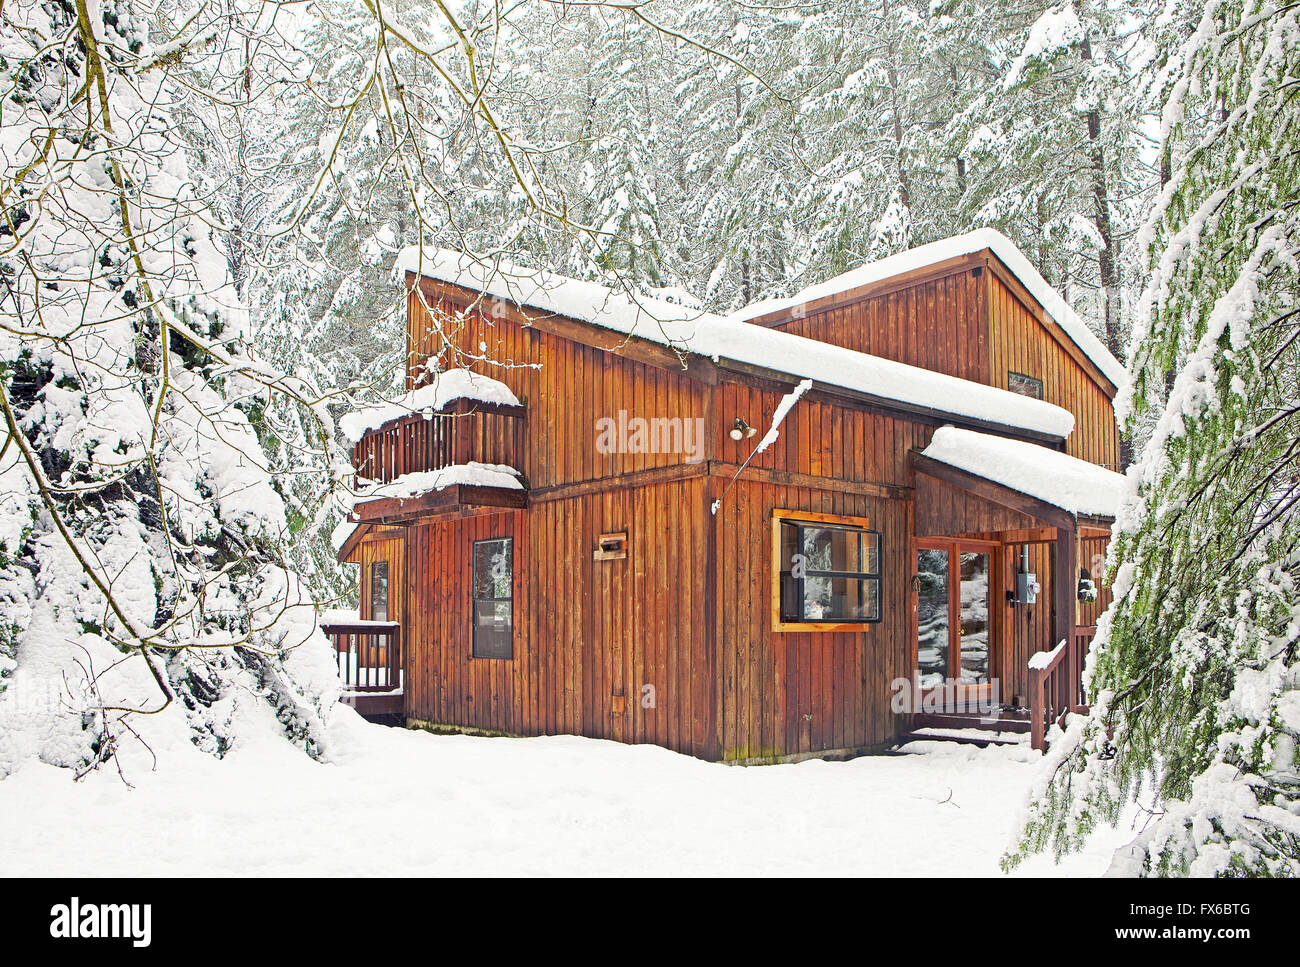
[1194,677]
[1048,137]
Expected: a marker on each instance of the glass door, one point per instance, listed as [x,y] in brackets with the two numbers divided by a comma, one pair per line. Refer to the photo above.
[954,630]
[932,616]
[973,618]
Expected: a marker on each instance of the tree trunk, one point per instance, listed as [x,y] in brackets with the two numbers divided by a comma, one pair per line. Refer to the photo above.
[1101,218]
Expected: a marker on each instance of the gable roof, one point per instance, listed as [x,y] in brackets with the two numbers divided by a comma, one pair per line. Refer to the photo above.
[717,337]
[949,248]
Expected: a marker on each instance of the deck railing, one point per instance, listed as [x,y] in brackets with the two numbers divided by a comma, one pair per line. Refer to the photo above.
[369,654]
[466,431]
[1056,683]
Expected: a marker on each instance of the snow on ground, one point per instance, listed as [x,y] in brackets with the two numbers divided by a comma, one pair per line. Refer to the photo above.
[402,802]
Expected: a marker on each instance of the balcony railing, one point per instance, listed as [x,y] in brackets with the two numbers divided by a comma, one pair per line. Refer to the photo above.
[1056,684]
[466,431]
[369,655]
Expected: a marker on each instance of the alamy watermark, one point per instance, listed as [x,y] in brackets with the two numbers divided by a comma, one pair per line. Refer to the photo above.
[983,698]
[75,920]
[659,434]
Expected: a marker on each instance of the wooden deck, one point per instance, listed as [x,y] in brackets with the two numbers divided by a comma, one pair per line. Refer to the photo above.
[369,656]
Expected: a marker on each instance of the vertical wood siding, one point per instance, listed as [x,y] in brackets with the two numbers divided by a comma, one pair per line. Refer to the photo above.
[938,324]
[566,386]
[688,611]
[1023,344]
[589,635]
[972,325]
[789,693]
[383,544]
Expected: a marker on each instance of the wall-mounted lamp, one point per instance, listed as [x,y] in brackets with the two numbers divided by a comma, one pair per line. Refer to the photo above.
[740,429]
[1087,587]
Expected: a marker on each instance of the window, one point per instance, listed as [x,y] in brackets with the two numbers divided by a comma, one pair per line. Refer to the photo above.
[828,572]
[1025,385]
[379,591]
[493,595]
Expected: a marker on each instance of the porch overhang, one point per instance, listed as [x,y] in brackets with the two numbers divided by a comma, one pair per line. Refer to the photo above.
[1046,484]
[1055,490]
[1006,496]
[350,543]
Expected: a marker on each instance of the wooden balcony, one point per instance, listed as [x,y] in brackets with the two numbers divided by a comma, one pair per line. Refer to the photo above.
[1056,684]
[369,656]
[465,431]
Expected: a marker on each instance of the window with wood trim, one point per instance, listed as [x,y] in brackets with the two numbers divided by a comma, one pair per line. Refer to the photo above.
[493,598]
[379,591]
[827,572]
[1025,385]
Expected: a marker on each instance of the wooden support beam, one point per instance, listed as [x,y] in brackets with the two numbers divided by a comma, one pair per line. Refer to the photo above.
[1066,563]
[344,554]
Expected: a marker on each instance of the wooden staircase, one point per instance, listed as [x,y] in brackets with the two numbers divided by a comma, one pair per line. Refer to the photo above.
[1055,691]
[1007,727]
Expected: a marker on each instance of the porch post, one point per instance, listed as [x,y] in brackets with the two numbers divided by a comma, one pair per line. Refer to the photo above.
[1065,580]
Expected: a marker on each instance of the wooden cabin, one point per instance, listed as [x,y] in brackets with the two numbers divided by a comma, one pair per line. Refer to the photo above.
[568,526]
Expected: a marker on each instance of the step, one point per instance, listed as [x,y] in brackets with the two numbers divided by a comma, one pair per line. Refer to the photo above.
[949,720]
[983,740]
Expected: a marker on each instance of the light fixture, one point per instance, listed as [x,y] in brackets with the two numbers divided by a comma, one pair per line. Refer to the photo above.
[740,429]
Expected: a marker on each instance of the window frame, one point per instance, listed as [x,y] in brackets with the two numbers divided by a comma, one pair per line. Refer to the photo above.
[1025,378]
[801,518]
[474,599]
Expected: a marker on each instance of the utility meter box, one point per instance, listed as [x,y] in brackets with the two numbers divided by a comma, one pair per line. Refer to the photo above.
[1027,587]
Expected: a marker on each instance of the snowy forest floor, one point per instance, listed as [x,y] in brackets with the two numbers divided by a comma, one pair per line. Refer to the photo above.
[400,802]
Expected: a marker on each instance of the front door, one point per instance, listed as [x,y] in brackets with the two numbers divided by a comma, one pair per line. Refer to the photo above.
[954,621]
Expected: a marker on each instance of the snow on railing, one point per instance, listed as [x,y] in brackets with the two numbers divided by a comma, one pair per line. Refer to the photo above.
[1056,683]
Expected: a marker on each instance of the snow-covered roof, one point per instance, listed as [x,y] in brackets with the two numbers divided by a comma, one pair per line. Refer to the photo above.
[410,485]
[1056,478]
[717,337]
[985,238]
[449,385]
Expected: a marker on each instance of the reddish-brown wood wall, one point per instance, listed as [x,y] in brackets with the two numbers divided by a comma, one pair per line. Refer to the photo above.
[798,692]
[938,324]
[383,544]
[589,635]
[567,387]
[1023,340]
